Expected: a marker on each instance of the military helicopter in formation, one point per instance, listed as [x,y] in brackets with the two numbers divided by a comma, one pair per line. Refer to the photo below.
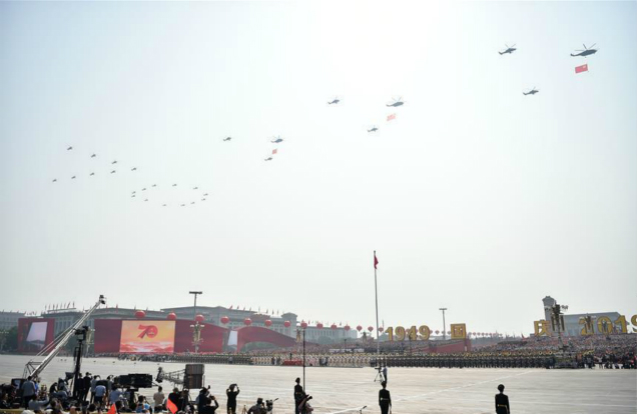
[586,52]
[277,140]
[531,92]
[55,180]
[374,129]
[113,172]
[397,102]
[268,159]
[69,148]
[134,169]
[227,139]
[94,155]
[509,49]
[334,101]
[91,174]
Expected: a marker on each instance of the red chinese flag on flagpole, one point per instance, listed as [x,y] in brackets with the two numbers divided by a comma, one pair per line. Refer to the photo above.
[113,409]
[171,406]
[375,261]
[580,69]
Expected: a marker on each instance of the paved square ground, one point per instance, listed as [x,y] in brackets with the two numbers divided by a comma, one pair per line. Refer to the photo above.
[414,390]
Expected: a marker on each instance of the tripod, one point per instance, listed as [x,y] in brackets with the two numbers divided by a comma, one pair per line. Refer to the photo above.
[379,375]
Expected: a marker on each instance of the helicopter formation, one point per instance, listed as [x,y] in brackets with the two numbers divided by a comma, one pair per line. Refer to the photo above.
[587,51]
[336,101]
[195,192]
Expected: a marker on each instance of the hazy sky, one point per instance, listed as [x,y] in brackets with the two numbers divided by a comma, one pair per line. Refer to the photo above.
[476,197]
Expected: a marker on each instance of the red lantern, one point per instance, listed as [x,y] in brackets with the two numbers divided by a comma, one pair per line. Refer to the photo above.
[370,328]
[347,327]
[225,320]
[333,326]
[287,324]
[303,324]
[268,323]
[140,314]
[359,328]
[381,329]
[319,325]
[199,318]
[247,321]
[171,316]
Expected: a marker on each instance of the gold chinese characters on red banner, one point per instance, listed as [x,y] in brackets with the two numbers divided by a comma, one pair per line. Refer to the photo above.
[400,333]
[590,325]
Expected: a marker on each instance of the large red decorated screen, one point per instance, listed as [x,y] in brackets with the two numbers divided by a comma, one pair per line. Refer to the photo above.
[34,334]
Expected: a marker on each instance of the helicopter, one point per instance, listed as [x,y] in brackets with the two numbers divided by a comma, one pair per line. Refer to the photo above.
[113,172]
[509,49]
[91,174]
[396,103]
[586,52]
[134,169]
[268,159]
[227,139]
[69,148]
[334,101]
[531,92]
[374,129]
[94,155]
[277,140]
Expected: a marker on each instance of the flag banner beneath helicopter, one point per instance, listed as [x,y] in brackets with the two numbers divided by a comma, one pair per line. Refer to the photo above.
[582,68]
[391,117]
[147,336]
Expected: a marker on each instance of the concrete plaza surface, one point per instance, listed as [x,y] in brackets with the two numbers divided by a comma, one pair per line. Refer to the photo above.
[414,390]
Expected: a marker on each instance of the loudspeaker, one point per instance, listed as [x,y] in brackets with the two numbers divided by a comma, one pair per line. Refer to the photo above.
[194,369]
[193,381]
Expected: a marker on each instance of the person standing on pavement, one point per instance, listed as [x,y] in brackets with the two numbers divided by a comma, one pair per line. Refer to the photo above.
[232,392]
[502,402]
[299,395]
[384,399]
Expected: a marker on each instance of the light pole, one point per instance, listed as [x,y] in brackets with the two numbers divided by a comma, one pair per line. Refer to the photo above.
[444,326]
[301,331]
[195,293]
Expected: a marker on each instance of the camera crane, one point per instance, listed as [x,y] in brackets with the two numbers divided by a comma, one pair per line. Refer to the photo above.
[176,377]
[33,368]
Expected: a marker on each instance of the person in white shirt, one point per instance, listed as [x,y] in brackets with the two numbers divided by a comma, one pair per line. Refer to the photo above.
[158,398]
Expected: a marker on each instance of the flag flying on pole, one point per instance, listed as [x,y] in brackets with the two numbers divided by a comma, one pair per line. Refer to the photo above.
[375,261]
[274,151]
[580,69]
[390,117]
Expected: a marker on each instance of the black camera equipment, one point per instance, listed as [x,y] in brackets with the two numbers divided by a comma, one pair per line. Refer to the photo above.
[269,404]
[79,351]
[135,381]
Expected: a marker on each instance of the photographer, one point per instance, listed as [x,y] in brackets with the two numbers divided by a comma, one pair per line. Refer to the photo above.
[258,408]
[206,407]
[304,406]
[232,392]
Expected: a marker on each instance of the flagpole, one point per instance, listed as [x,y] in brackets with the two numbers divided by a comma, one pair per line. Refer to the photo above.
[376,293]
